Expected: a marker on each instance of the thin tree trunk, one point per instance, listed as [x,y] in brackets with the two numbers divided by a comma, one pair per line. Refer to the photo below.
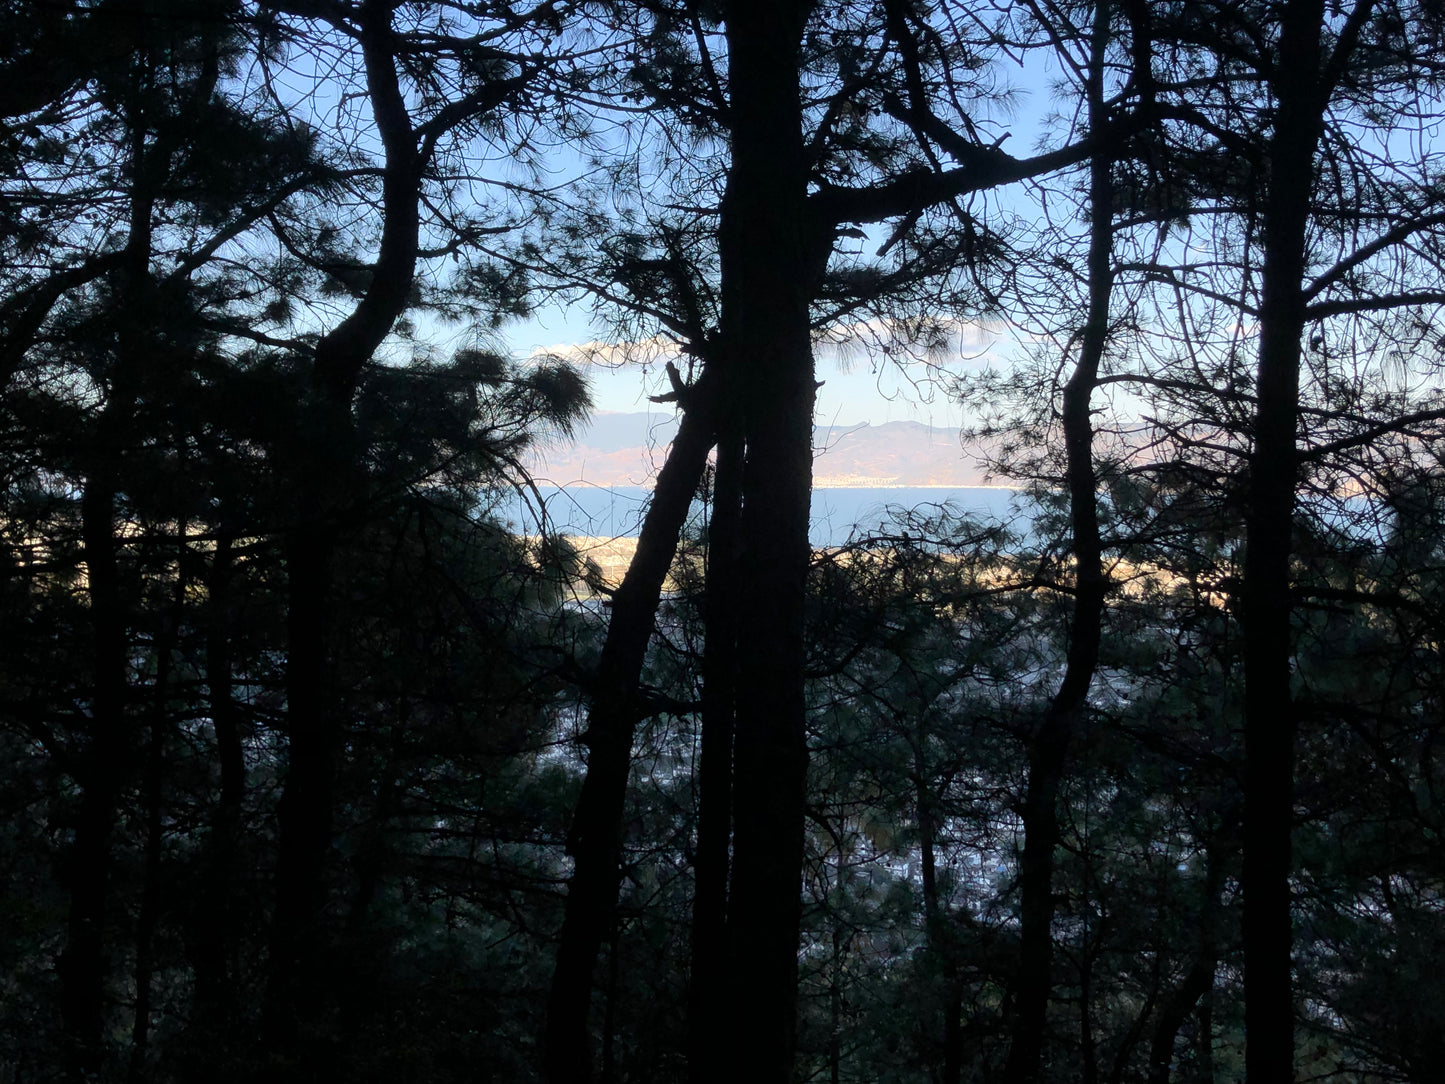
[372,851]
[937,922]
[595,839]
[707,990]
[366,941]
[1088,1046]
[1204,1040]
[148,919]
[102,769]
[1198,981]
[609,1016]
[835,1007]
[1269,723]
[215,921]
[104,765]
[1048,750]
[1181,1002]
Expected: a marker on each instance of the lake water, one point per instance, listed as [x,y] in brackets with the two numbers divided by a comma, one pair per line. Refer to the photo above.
[616,512]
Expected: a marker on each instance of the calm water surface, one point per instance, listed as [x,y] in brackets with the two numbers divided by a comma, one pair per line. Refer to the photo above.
[616,512]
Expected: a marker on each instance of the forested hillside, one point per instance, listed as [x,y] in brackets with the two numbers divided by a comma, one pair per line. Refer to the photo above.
[315,769]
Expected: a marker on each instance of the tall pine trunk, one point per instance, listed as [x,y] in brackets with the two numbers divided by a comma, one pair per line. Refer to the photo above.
[1269,722]
[768,265]
[104,764]
[102,769]
[324,484]
[152,892]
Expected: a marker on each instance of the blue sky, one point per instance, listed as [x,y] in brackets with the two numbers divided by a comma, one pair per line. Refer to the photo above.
[857,388]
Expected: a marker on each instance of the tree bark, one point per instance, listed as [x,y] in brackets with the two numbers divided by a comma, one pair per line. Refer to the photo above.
[104,765]
[707,989]
[215,921]
[595,839]
[1197,983]
[303,815]
[1269,723]
[151,905]
[770,262]
[937,921]
[322,486]
[102,768]
[1047,751]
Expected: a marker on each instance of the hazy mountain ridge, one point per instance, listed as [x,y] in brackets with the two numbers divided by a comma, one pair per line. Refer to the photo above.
[625,449]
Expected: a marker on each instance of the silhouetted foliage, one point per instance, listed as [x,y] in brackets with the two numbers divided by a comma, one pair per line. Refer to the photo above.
[318,765]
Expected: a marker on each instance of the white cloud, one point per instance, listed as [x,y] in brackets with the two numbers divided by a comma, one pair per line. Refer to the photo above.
[612,355]
[931,342]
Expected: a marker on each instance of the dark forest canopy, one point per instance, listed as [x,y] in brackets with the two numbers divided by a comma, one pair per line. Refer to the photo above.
[315,770]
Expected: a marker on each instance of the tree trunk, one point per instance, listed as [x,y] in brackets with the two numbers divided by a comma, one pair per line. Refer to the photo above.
[1182,1001]
[937,921]
[835,1006]
[1204,1040]
[323,482]
[102,768]
[1088,1045]
[609,1015]
[595,839]
[148,919]
[707,990]
[303,815]
[1197,983]
[1047,752]
[215,921]
[769,263]
[1269,723]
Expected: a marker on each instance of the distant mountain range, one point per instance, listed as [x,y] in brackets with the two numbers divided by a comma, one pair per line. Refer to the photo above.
[626,449]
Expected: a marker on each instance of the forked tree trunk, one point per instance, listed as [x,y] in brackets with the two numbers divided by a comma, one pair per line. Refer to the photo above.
[1182,1001]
